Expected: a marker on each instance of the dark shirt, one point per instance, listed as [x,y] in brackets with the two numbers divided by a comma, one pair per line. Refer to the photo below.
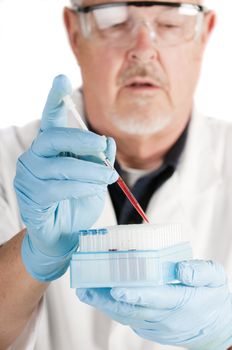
[145,186]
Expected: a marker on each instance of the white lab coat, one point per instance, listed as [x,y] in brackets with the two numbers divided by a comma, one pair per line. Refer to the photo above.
[199,194]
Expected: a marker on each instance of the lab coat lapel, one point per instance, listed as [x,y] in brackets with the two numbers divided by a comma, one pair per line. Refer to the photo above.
[195,178]
[197,170]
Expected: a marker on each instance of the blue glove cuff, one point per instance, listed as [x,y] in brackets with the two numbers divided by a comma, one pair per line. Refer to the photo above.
[42,267]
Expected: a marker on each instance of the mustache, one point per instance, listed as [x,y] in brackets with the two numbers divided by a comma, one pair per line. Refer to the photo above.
[143,71]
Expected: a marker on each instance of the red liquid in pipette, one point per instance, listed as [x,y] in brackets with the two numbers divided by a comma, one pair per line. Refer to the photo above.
[70,104]
[132,199]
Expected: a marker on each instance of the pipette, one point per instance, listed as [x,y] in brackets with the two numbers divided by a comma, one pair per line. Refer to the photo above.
[71,106]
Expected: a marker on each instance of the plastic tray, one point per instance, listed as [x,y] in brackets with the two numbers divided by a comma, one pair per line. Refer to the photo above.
[127,268]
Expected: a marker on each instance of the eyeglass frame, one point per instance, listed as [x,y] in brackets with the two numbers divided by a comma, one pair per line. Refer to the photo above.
[89,8]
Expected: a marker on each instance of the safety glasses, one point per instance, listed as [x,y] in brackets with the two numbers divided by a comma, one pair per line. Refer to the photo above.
[118,23]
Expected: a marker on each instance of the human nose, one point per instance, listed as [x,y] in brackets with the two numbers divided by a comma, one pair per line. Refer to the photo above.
[144,47]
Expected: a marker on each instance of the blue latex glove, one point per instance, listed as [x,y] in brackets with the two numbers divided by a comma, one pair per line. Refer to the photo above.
[60,195]
[196,314]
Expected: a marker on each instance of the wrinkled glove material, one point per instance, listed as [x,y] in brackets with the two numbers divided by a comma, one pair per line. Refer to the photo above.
[59,195]
[195,314]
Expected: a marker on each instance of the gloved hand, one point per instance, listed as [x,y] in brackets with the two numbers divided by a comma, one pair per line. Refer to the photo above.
[196,314]
[60,195]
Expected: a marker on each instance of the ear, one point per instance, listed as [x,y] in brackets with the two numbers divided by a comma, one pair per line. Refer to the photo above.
[73,29]
[209,24]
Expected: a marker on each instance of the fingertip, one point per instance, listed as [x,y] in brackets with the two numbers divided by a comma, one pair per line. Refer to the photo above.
[62,85]
[114,177]
[111,149]
[111,142]
[54,113]
[184,272]
[103,143]
[200,273]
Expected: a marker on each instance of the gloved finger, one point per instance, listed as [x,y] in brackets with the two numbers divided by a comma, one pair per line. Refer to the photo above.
[101,299]
[54,113]
[67,241]
[160,297]
[64,168]
[110,153]
[45,193]
[201,273]
[54,141]
[111,150]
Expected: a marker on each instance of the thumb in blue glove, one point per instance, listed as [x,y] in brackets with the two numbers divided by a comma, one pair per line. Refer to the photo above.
[195,314]
[54,113]
[58,196]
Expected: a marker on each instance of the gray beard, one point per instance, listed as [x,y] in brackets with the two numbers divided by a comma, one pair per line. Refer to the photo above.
[134,125]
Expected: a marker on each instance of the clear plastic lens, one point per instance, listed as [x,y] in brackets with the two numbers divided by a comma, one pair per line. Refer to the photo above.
[106,18]
[167,26]
[188,10]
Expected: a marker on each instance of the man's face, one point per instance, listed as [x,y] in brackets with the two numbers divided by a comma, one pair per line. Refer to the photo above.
[140,88]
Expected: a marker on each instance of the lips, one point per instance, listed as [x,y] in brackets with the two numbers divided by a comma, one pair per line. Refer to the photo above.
[141,83]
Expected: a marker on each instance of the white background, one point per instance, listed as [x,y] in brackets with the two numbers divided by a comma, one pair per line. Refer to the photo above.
[34,48]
